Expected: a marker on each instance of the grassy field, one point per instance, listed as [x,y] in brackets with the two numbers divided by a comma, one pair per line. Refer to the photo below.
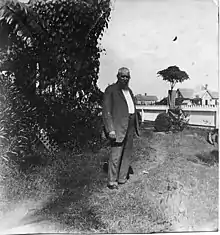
[174,188]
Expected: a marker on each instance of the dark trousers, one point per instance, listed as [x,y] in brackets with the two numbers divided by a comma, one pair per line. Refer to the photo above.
[120,157]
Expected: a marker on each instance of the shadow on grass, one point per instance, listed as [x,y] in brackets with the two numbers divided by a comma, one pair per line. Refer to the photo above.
[77,177]
[208,158]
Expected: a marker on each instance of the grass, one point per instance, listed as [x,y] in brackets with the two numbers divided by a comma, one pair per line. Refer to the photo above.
[174,188]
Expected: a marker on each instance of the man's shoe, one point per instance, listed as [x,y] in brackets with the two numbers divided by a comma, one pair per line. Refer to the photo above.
[122,182]
[130,170]
[114,186]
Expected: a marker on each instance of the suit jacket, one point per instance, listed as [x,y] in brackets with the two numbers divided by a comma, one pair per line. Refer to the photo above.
[115,112]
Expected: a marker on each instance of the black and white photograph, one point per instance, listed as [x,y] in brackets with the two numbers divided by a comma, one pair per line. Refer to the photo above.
[109,116]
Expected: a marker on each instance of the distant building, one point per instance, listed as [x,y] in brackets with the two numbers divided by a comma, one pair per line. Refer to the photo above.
[163,101]
[210,98]
[146,99]
[185,95]
[204,97]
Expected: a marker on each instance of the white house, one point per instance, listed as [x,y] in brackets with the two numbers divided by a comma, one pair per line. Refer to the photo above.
[146,99]
[210,98]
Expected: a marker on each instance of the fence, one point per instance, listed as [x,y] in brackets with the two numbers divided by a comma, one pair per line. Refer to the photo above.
[199,115]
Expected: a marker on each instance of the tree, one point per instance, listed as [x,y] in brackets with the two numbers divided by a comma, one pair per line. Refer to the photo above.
[52,49]
[56,41]
[173,75]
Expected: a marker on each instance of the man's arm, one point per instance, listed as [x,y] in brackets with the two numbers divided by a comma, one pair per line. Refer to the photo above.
[106,111]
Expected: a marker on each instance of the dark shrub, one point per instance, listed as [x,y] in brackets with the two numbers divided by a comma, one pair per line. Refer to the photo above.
[56,62]
[162,122]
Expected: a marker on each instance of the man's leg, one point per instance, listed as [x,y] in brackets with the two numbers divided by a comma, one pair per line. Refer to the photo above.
[114,162]
[127,152]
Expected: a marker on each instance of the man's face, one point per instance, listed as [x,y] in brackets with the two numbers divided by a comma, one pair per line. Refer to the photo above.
[123,80]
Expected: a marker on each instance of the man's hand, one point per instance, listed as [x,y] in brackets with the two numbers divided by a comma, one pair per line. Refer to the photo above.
[112,135]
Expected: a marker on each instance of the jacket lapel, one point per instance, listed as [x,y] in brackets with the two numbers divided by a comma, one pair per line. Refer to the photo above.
[123,97]
[121,94]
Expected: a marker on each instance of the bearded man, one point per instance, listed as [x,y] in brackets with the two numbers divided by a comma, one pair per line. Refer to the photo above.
[121,121]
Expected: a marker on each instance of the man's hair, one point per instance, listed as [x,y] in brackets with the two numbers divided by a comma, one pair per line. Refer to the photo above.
[123,71]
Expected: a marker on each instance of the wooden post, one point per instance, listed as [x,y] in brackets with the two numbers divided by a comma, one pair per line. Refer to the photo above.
[142,115]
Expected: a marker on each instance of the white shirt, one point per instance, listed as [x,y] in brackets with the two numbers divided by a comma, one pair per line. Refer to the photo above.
[129,101]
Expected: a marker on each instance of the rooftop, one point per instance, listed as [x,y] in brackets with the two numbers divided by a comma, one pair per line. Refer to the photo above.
[214,94]
[187,93]
[146,98]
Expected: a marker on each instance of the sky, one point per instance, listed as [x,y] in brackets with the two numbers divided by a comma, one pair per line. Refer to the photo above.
[140,36]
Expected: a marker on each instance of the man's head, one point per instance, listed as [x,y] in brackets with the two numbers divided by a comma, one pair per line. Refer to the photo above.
[123,77]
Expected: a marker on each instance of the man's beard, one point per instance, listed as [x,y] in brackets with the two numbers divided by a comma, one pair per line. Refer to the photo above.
[123,85]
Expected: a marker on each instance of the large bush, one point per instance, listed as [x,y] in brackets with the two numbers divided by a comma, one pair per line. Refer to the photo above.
[52,48]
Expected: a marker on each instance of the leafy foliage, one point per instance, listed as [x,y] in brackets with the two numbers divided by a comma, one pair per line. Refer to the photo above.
[173,75]
[20,19]
[53,50]
[179,119]
[17,118]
